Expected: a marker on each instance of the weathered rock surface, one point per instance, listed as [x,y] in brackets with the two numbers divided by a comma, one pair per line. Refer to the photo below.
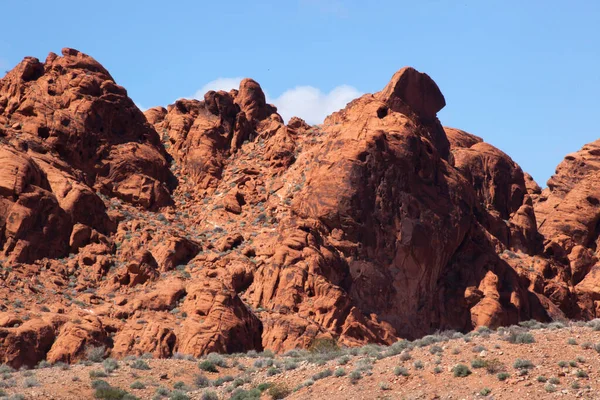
[68,131]
[212,226]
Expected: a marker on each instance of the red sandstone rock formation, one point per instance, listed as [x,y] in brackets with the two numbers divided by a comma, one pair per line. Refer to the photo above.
[377,225]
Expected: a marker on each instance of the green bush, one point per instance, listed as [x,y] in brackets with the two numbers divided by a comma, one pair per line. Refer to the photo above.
[521,338]
[201,381]
[140,364]
[461,371]
[279,391]
[178,395]
[401,371]
[112,393]
[493,366]
[502,376]
[99,383]
[241,394]
[110,365]
[209,395]
[355,376]
[98,374]
[322,374]
[522,364]
[95,354]
[137,385]
[208,366]
[478,363]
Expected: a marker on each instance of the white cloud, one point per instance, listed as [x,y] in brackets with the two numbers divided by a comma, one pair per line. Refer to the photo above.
[306,102]
[311,104]
[225,84]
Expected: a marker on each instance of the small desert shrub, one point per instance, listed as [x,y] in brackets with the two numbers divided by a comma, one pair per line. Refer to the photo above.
[279,391]
[455,351]
[563,364]
[98,383]
[478,349]
[264,386]
[110,365]
[384,386]
[573,363]
[209,395]
[201,381]
[208,366]
[364,365]
[339,372]
[179,385]
[162,391]
[550,388]
[401,371]
[95,354]
[30,382]
[405,356]
[263,362]
[343,360]
[217,359]
[8,383]
[494,365]
[575,385]
[478,363]
[289,365]
[111,393]
[485,391]
[587,345]
[397,348]
[556,325]
[502,376]
[461,371]
[521,338]
[222,379]
[137,385]
[241,394]
[273,371]
[178,395]
[522,364]
[355,376]
[554,380]
[98,374]
[581,374]
[437,370]
[572,342]
[6,369]
[140,364]
[436,349]
[541,378]
[418,364]
[322,374]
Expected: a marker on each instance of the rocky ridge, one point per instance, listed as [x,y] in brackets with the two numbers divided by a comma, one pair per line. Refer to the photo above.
[212,226]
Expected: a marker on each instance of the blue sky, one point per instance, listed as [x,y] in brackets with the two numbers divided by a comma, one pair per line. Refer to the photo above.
[524,75]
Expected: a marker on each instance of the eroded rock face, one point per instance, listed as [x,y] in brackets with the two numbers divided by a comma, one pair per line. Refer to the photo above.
[568,211]
[202,134]
[501,189]
[71,107]
[379,224]
[67,132]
